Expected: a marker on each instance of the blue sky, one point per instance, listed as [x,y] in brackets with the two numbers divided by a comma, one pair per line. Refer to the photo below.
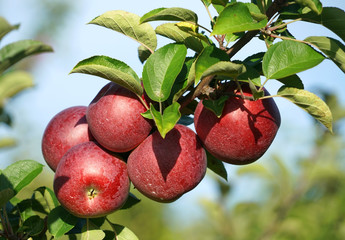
[56,90]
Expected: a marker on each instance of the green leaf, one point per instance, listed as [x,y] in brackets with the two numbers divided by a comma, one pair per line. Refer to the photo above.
[237,17]
[161,70]
[14,52]
[5,194]
[166,121]
[143,53]
[91,232]
[250,74]
[216,106]
[5,27]
[292,81]
[7,142]
[46,197]
[32,226]
[130,202]
[209,56]
[216,166]
[332,48]
[314,5]
[111,69]
[309,102]
[21,173]
[225,68]
[172,31]
[190,79]
[128,24]
[170,14]
[331,17]
[12,83]
[289,57]
[123,233]
[60,221]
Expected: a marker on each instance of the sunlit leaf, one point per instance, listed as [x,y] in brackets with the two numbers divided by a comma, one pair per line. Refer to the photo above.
[170,14]
[314,5]
[123,233]
[16,51]
[6,27]
[92,232]
[237,17]
[111,69]
[46,197]
[225,68]
[7,142]
[161,70]
[60,221]
[128,24]
[309,102]
[289,57]
[332,48]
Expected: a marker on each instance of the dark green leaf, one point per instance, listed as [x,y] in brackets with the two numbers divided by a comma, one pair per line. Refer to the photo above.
[255,91]
[289,57]
[292,81]
[314,5]
[111,69]
[216,106]
[166,121]
[237,17]
[5,194]
[14,52]
[21,173]
[209,56]
[186,120]
[225,68]
[190,79]
[131,201]
[129,25]
[5,27]
[29,207]
[331,17]
[309,102]
[170,14]
[161,70]
[251,74]
[143,53]
[216,166]
[12,83]
[172,31]
[46,197]
[32,226]
[332,48]
[60,221]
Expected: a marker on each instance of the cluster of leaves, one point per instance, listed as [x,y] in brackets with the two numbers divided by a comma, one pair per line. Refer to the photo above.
[14,81]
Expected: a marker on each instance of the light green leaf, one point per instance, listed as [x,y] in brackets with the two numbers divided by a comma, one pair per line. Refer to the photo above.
[7,142]
[16,51]
[12,83]
[314,5]
[209,56]
[111,69]
[60,221]
[289,57]
[332,48]
[91,232]
[172,31]
[46,197]
[331,17]
[237,17]
[170,14]
[5,27]
[225,68]
[161,70]
[21,173]
[123,233]
[166,121]
[309,102]
[128,24]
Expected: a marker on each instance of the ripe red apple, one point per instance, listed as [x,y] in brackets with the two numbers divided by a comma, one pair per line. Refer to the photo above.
[65,130]
[90,182]
[115,120]
[165,169]
[244,131]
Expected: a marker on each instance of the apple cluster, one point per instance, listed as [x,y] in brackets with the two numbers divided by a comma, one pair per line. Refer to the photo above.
[97,151]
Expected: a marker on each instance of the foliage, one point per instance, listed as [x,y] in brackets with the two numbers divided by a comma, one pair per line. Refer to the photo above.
[173,80]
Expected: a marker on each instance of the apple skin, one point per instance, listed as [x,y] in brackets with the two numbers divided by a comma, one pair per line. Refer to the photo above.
[90,182]
[115,121]
[65,130]
[164,169]
[243,133]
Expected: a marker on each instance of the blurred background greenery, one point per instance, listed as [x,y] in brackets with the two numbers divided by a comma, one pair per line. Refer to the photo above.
[297,195]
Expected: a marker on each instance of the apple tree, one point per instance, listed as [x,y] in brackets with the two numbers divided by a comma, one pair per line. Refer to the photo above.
[137,126]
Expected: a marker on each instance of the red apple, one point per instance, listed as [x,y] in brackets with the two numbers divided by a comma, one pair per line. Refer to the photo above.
[165,169]
[243,133]
[115,120]
[90,182]
[65,130]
